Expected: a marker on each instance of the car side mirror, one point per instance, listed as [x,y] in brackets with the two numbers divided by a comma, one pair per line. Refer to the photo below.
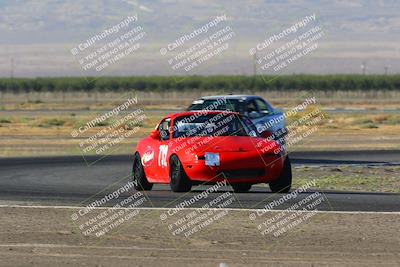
[155,135]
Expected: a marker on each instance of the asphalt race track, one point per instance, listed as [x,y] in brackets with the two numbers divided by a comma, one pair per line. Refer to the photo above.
[71,181]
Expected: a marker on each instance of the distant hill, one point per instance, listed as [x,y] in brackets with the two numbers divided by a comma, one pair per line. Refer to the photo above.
[37,35]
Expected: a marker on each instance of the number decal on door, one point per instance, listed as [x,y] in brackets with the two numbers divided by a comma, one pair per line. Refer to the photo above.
[162,156]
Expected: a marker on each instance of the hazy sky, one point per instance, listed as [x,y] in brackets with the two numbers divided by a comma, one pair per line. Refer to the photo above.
[37,36]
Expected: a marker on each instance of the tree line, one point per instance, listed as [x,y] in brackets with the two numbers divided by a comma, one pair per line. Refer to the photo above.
[227,83]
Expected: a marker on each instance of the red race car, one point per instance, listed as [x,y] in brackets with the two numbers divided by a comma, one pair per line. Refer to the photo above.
[205,147]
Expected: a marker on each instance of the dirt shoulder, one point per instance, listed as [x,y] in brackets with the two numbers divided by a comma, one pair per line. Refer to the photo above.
[349,178]
[47,237]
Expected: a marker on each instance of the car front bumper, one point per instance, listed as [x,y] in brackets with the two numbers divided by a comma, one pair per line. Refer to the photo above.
[237,168]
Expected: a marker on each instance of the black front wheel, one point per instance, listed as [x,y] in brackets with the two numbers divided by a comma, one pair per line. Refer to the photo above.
[283,183]
[138,175]
[178,180]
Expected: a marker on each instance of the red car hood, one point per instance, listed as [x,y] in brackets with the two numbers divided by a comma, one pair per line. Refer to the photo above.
[233,143]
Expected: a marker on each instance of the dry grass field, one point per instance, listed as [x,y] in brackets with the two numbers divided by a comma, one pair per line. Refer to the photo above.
[38,124]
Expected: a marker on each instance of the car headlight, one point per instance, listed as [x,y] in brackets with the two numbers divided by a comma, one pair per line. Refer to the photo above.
[211,159]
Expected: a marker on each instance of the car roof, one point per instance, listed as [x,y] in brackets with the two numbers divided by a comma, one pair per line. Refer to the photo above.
[232,97]
[205,112]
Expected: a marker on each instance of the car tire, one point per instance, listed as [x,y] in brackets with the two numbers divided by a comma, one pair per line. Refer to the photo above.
[178,179]
[283,183]
[241,188]
[138,175]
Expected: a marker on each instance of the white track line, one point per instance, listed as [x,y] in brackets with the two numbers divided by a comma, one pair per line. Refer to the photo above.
[228,209]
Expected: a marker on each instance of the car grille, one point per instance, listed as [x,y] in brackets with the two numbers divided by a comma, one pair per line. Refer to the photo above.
[245,173]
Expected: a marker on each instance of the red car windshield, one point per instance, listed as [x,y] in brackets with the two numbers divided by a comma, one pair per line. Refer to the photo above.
[219,124]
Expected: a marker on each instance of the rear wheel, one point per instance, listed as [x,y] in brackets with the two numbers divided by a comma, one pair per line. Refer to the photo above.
[241,188]
[283,183]
[138,175]
[178,180]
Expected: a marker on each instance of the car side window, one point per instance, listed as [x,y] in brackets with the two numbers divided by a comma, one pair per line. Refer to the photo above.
[252,110]
[263,107]
[163,128]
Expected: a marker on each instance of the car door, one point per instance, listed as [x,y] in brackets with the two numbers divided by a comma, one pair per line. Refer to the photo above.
[162,163]
[155,156]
